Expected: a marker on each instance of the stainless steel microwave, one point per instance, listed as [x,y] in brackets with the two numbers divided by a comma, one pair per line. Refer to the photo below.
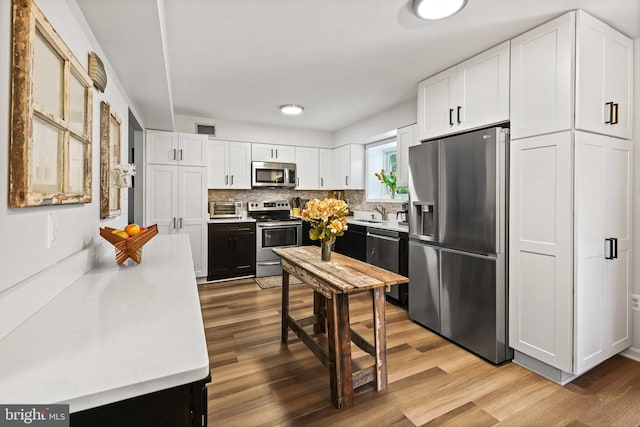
[272,174]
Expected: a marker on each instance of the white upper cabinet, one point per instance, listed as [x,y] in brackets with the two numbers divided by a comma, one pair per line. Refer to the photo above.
[473,94]
[604,78]
[406,138]
[542,78]
[229,164]
[348,167]
[171,148]
[325,169]
[483,89]
[306,168]
[273,153]
[436,100]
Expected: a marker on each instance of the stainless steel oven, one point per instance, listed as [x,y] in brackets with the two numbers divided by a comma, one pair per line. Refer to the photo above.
[274,228]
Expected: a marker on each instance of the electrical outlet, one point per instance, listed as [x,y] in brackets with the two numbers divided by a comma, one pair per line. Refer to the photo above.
[635,302]
[52,231]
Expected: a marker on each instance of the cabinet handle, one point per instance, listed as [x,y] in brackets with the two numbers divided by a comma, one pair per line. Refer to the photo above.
[226,180]
[608,245]
[450,116]
[174,222]
[615,247]
[272,153]
[298,181]
[321,182]
[614,107]
[458,113]
[610,105]
[180,154]
[174,154]
[180,222]
[276,153]
[346,180]
[231,179]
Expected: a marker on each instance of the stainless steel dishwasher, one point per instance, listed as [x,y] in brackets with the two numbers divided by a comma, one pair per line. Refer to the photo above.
[383,250]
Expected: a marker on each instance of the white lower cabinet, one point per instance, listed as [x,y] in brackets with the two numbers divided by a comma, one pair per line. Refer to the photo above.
[176,200]
[570,251]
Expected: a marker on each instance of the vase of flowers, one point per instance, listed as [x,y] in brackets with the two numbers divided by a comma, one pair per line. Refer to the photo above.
[388,180]
[328,220]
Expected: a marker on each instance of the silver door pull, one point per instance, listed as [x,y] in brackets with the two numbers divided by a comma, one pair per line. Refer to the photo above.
[231,179]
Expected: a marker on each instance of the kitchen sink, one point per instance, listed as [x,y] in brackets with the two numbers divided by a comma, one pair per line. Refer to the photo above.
[371,221]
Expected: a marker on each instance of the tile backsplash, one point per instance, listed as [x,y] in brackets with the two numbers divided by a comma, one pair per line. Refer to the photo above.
[355,198]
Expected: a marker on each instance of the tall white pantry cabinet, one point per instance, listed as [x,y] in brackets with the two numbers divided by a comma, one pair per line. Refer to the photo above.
[570,196]
[176,189]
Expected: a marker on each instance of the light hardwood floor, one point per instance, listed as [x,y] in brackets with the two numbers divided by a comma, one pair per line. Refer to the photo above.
[256,381]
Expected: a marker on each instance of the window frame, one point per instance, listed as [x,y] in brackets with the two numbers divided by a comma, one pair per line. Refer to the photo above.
[109,172]
[28,23]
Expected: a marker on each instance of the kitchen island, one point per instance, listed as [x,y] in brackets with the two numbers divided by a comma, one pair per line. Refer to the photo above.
[115,338]
[332,282]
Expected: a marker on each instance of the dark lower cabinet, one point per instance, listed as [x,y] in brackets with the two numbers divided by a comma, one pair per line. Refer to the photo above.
[232,250]
[354,242]
[181,406]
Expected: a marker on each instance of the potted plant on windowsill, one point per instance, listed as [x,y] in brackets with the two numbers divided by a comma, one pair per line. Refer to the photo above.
[388,180]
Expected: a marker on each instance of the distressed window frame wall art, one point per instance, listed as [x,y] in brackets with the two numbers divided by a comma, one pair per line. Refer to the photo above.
[110,124]
[51,115]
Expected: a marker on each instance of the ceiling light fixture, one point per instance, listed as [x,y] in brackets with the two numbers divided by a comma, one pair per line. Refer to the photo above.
[432,10]
[291,109]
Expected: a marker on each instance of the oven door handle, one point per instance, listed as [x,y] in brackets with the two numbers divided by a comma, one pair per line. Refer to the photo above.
[278,225]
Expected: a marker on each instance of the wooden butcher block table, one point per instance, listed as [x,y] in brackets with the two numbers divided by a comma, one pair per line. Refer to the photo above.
[332,282]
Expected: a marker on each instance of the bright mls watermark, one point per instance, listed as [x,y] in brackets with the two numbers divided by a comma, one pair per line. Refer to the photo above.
[34,415]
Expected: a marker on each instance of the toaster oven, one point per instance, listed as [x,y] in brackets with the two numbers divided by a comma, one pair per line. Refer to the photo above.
[225,209]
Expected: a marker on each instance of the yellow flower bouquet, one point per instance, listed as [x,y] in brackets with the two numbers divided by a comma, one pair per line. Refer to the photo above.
[328,221]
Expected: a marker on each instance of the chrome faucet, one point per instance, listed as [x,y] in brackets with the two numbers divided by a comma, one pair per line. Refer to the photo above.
[381,210]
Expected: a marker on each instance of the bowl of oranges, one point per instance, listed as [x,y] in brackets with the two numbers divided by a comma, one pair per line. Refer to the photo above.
[128,242]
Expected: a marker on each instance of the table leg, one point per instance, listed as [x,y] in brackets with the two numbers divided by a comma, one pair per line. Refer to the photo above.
[285,307]
[339,336]
[320,311]
[380,337]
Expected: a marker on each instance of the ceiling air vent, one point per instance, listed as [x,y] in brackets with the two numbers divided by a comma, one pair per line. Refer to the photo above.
[204,129]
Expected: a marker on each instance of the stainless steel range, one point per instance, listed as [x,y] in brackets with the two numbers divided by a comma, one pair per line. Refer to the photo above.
[274,228]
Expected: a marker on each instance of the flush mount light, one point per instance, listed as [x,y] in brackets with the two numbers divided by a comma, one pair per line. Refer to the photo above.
[291,109]
[432,10]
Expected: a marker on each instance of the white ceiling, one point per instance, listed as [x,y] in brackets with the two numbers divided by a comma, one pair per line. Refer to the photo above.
[344,60]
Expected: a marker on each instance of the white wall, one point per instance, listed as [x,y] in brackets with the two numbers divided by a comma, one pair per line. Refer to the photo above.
[378,126]
[234,130]
[23,232]
[634,352]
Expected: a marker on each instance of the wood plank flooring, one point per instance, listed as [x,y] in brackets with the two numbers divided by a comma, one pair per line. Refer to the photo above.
[256,381]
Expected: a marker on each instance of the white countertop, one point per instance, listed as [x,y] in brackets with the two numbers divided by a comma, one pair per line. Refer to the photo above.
[386,225]
[115,333]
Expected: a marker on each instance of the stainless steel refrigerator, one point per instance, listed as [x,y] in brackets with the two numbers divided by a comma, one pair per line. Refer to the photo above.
[457,240]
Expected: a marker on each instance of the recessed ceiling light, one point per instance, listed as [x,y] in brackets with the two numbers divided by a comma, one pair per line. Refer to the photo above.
[432,10]
[291,109]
